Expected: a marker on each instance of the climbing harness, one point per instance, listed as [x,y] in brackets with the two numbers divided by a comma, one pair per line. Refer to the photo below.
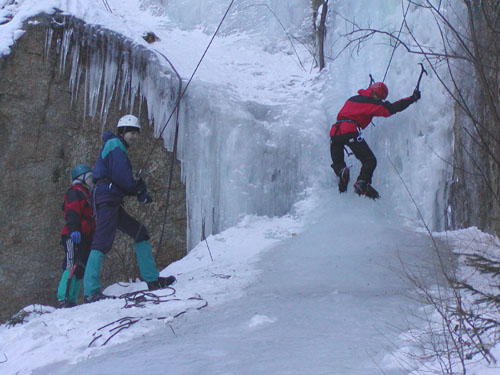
[359,138]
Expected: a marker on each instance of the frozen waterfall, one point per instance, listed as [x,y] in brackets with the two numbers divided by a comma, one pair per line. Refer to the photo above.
[253,140]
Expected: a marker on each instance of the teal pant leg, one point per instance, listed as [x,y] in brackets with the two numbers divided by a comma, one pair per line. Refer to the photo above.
[91,278]
[147,265]
[74,288]
[74,291]
[61,289]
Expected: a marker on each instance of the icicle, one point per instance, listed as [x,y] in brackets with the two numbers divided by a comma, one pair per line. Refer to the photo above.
[49,34]
[74,79]
[125,79]
[95,75]
[110,76]
[65,45]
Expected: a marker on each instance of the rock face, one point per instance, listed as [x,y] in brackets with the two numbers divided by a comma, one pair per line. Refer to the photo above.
[44,132]
[474,194]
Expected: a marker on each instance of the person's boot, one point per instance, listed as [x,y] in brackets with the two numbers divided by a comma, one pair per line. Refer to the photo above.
[343,179]
[371,192]
[360,187]
[65,304]
[161,283]
[97,296]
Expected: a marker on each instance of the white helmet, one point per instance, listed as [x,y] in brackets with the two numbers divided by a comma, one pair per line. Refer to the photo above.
[129,121]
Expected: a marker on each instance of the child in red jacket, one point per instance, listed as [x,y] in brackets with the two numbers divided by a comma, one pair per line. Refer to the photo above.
[77,234]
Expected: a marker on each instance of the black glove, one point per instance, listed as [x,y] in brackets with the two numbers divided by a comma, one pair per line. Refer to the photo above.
[141,187]
[416,95]
[144,197]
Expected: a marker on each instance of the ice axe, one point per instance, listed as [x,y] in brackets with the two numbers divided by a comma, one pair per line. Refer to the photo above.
[420,77]
[371,80]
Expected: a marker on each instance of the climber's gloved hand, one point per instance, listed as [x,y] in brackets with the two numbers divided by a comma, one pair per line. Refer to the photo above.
[416,95]
[144,197]
[141,186]
[76,237]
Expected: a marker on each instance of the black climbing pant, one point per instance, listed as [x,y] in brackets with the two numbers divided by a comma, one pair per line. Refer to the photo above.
[360,149]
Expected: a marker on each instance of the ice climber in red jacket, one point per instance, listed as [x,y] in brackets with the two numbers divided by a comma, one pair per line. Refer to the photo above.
[356,114]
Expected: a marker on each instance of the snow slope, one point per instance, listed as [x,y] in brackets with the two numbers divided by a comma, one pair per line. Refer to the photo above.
[311,293]
[307,292]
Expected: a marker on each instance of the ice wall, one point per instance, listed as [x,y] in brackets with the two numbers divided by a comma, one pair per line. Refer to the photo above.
[416,144]
[238,157]
[236,161]
[256,155]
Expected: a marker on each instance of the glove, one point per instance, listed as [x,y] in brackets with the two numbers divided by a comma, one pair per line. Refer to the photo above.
[76,237]
[416,95]
[144,198]
[141,186]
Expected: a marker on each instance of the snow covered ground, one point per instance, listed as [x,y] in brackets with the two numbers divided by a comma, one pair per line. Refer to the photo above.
[310,292]
[314,292]
[318,291]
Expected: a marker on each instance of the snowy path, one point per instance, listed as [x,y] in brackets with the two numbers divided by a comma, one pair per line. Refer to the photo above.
[323,305]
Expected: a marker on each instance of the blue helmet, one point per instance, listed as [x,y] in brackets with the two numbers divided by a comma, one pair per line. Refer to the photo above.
[79,169]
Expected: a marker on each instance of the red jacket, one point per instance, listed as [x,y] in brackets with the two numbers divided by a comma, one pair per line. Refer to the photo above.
[78,212]
[362,108]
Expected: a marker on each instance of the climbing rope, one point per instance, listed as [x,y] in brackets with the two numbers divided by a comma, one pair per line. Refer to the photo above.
[189,82]
[397,44]
[176,136]
[284,30]
[174,110]
[141,299]
[106,5]
[172,159]
[393,51]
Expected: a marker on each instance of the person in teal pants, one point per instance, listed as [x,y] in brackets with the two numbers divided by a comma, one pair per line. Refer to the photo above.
[114,180]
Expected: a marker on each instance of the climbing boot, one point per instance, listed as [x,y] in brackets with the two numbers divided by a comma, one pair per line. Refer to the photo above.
[360,187]
[343,180]
[65,304]
[371,192]
[98,296]
[161,283]
[363,188]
